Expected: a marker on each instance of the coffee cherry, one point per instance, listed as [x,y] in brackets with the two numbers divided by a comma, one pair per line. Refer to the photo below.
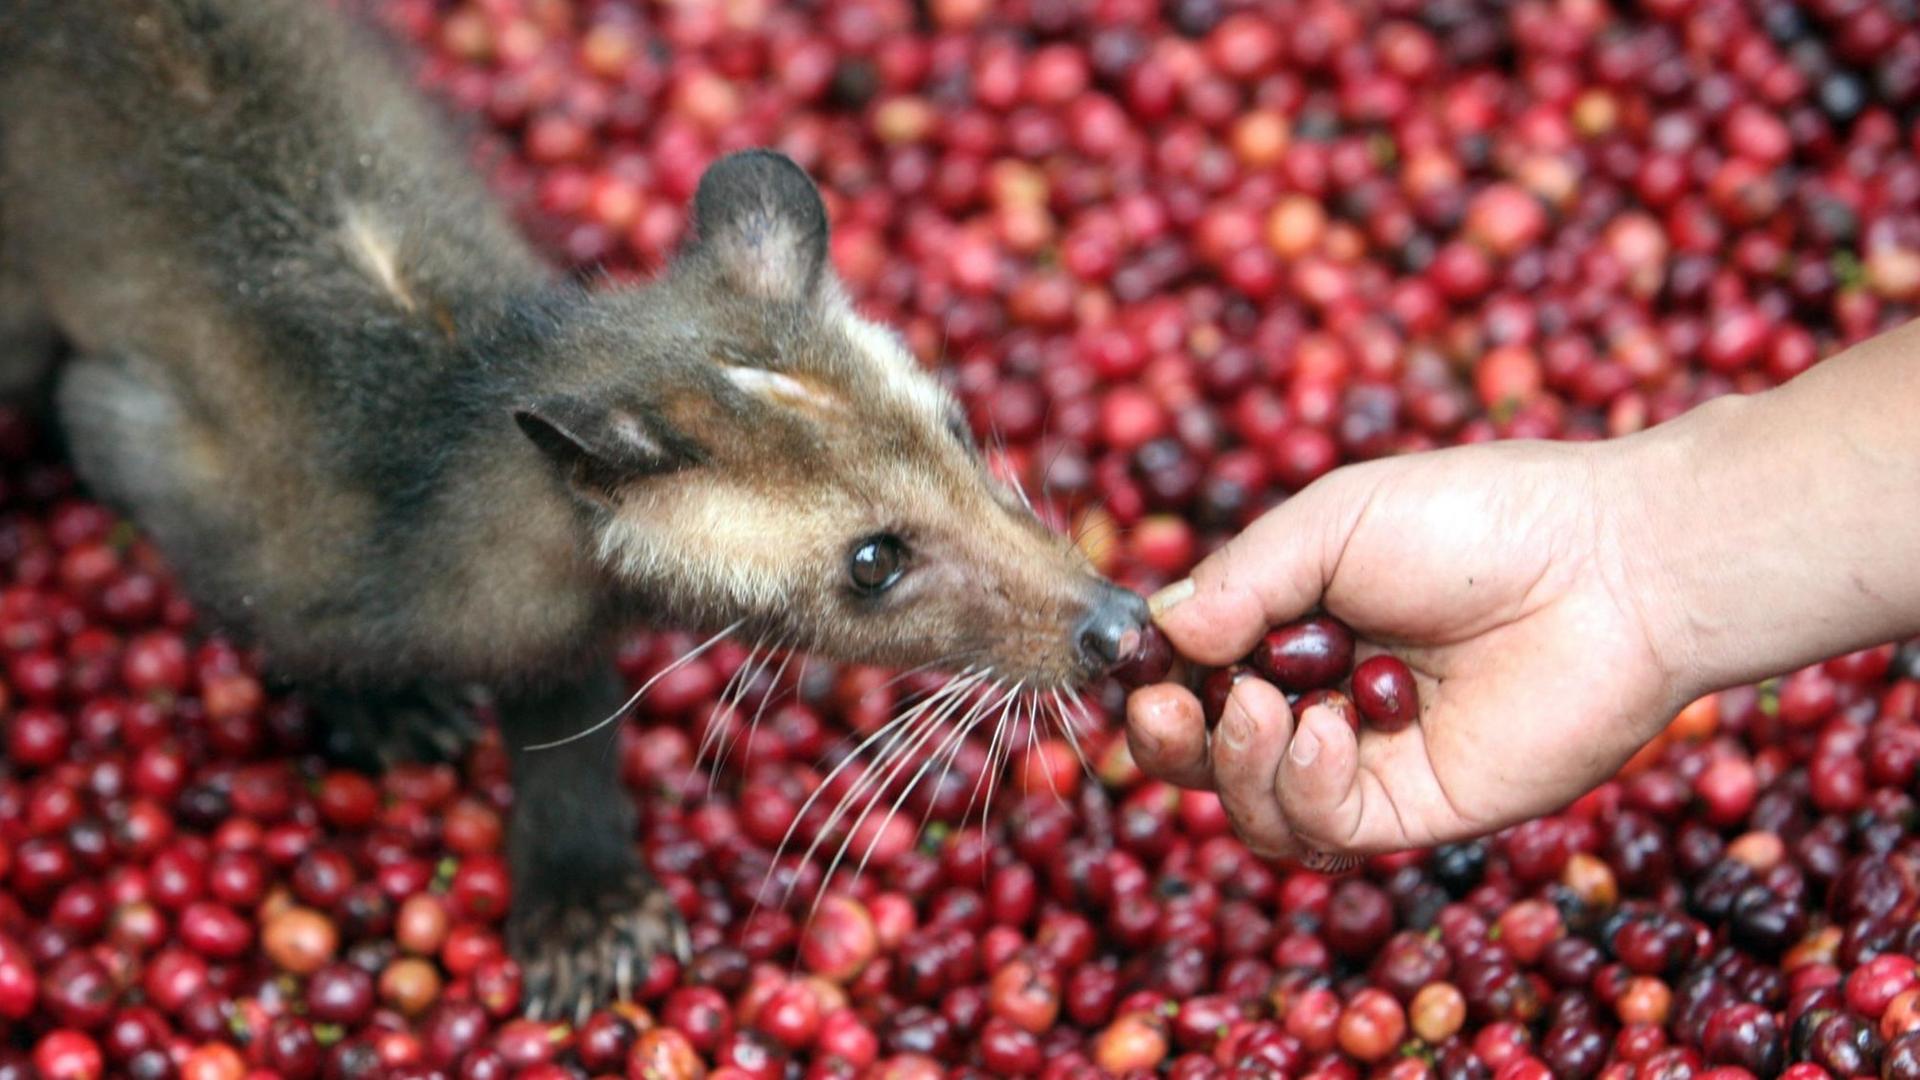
[1745,1036]
[1371,1026]
[1384,693]
[300,940]
[1307,655]
[67,1055]
[1150,661]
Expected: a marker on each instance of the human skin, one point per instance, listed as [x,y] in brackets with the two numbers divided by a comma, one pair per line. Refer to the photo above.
[1558,603]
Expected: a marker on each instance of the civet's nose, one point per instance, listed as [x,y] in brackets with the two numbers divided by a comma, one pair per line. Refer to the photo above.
[1111,629]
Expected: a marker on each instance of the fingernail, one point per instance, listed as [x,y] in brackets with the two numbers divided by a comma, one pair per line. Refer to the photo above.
[1170,597]
[1306,746]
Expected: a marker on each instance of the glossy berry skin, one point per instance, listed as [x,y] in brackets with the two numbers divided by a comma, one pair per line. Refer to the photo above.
[1340,704]
[1746,1036]
[1384,693]
[1307,655]
[1217,687]
[67,1055]
[1901,1061]
[1845,1045]
[1371,1026]
[1150,661]
[19,984]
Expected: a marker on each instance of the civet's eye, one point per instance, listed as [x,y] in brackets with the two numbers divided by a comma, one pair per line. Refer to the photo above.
[957,427]
[877,563]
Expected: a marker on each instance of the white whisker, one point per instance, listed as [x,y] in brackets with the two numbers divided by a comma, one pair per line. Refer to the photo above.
[882,732]
[952,755]
[898,755]
[992,770]
[951,658]
[1008,721]
[960,729]
[640,693]
[752,672]
[713,740]
[773,690]
[1031,719]
[1069,719]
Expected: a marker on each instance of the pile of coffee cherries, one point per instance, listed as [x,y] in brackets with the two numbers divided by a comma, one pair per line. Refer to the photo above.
[1178,258]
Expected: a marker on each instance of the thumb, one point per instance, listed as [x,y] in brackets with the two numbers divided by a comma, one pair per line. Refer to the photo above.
[1319,781]
[1272,572]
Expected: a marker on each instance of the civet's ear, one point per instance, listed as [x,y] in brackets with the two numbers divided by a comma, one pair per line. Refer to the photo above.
[599,448]
[759,218]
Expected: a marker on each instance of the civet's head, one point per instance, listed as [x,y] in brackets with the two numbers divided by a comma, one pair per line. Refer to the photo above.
[752,451]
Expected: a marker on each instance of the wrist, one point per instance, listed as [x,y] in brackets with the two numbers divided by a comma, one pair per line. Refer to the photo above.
[1755,529]
[1665,502]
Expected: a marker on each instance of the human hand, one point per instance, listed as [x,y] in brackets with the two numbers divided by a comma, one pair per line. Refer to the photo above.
[1508,576]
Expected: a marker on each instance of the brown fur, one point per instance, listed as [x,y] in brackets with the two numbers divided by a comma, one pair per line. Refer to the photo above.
[380,438]
[788,488]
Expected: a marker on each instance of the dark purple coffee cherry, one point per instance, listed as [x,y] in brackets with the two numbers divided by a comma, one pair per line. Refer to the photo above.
[1149,663]
[1384,693]
[1305,655]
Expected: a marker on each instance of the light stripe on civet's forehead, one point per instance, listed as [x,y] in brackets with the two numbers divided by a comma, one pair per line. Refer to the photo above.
[376,249]
[902,372]
[778,386]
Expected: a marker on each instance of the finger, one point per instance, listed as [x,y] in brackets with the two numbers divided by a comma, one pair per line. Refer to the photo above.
[1248,746]
[1319,785]
[1273,571]
[1167,733]
[1370,793]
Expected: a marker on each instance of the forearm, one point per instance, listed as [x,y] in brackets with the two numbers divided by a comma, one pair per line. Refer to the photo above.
[1784,527]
